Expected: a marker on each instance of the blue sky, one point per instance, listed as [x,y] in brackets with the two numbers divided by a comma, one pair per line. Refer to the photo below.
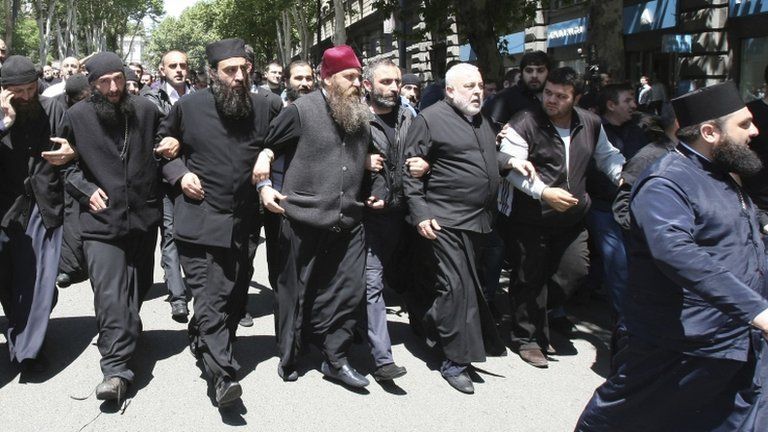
[175,7]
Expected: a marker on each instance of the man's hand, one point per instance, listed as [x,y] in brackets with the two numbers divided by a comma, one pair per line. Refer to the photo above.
[417,167]
[62,156]
[374,162]
[428,229]
[374,203]
[191,186]
[559,199]
[9,113]
[262,168]
[98,202]
[524,167]
[502,134]
[168,148]
[270,198]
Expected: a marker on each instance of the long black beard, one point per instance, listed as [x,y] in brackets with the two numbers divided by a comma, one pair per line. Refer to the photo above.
[348,111]
[28,113]
[292,94]
[112,114]
[232,103]
[736,158]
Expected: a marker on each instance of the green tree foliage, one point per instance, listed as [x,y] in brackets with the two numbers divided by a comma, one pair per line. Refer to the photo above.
[190,32]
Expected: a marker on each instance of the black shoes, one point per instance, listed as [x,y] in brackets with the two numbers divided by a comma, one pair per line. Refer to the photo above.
[388,372]
[288,374]
[112,388]
[179,311]
[461,382]
[345,374]
[246,320]
[227,391]
[63,280]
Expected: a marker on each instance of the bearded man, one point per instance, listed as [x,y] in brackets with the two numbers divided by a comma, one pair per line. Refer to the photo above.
[453,208]
[696,313]
[115,180]
[221,131]
[320,284]
[31,208]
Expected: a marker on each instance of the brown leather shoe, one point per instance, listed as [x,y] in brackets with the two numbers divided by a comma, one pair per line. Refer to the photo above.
[534,357]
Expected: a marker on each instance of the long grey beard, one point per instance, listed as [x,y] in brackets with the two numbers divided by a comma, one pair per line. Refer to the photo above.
[349,112]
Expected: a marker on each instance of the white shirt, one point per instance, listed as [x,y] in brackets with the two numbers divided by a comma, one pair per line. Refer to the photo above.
[54,90]
[173,95]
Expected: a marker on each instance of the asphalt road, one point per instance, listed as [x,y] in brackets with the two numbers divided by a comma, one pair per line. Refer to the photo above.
[171,395]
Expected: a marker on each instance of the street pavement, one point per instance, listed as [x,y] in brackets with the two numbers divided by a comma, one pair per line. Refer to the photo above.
[170,394]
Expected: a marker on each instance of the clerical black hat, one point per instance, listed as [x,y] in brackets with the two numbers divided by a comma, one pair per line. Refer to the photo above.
[103,63]
[17,70]
[707,103]
[225,49]
[130,75]
[411,79]
[75,85]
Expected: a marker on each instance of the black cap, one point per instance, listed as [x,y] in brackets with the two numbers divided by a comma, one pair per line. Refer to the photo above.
[103,63]
[130,75]
[17,70]
[75,85]
[707,103]
[411,79]
[225,49]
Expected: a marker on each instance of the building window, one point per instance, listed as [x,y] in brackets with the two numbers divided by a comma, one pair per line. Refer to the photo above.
[754,57]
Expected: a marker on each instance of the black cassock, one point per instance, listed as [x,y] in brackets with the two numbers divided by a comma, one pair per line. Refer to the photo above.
[31,206]
[460,194]
[212,235]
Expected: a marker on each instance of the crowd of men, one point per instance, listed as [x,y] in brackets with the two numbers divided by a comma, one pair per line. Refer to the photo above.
[360,181]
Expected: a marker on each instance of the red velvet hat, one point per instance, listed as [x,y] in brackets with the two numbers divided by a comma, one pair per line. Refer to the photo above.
[337,59]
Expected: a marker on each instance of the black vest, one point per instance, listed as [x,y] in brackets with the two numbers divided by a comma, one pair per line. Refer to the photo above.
[546,151]
[324,181]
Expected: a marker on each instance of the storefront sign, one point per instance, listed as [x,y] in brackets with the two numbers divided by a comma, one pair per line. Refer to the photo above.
[567,33]
[650,15]
[676,43]
[748,7]
[515,45]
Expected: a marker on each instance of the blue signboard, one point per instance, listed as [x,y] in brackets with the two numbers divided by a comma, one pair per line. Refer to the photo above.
[650,15]
[748,7]
[515,45]
[567,32]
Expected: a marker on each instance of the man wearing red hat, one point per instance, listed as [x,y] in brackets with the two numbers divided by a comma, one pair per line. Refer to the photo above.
[320,289]
[695,308]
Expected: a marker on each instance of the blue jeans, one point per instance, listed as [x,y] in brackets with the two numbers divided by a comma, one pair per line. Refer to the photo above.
[607,236]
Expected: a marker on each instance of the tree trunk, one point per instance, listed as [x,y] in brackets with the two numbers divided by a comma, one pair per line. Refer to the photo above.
[339,23]
[605,24]
[300,18]
[475,19]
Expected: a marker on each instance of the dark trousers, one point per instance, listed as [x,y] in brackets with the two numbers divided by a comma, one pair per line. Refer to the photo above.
[458,318]
[170,255]
[72,260]
[545,258]
[212,275]
[29,261]
[121,275]
[272,233]
[320,289]
[382,236]
[655,389]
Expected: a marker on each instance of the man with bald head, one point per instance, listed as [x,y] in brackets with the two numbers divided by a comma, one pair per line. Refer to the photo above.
[173,70]
[453,208]
[69,67]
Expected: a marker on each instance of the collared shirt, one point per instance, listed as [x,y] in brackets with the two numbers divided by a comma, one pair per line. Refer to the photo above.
[173,95]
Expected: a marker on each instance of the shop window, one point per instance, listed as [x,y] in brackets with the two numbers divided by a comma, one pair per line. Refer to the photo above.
[754,57]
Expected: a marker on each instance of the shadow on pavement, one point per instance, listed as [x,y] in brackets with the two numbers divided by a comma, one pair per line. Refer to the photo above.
[260,303]
[66,339]
[153,346]
[250,351]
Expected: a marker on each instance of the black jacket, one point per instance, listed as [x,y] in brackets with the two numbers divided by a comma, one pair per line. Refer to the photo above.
[25,177]
[388,183]
[221,152]
[131,182]
[160,98]
[509,102]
